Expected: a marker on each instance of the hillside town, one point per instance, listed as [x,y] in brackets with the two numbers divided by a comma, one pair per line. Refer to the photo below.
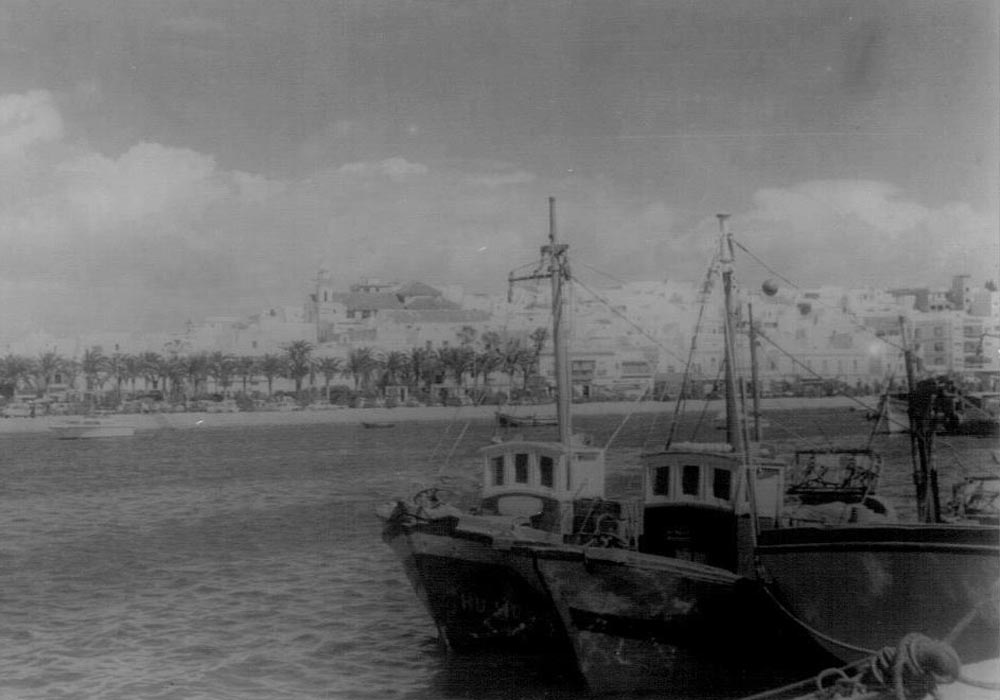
[389,343]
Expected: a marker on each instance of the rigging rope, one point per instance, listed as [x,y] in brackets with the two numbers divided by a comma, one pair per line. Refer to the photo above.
[857,324]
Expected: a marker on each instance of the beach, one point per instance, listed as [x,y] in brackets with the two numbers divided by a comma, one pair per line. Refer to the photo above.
[202,420]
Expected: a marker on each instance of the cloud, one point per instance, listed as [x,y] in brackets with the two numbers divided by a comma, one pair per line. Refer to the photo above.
[390,167]
[28,120]
[860,231]
[156,234]
[146,181]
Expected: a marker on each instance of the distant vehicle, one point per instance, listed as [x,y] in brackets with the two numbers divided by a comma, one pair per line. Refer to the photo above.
[362,402]
[16,410]
[224,406]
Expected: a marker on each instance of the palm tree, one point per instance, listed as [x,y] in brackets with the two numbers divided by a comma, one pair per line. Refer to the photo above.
[15,370]
[512,357]
[151,367]
[487,362]
[132,369]
[46,367]
[94,364]
[538,338]
[395,366]
[329,367]
[221,367]
[299,363]
[360,365]
[245,368]
[173,370]
[117,369]
[196,369]
[457,361]
[271,366]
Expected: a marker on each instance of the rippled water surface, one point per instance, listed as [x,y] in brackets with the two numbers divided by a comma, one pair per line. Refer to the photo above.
[246,564]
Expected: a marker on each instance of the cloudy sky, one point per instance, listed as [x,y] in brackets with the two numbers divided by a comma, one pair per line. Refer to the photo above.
[164,160]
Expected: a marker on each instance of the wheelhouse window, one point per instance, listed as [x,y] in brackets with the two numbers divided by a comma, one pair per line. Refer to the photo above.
[521,468]
[661,481]
[497,465]
[691,480]
[722,481]
[546,471]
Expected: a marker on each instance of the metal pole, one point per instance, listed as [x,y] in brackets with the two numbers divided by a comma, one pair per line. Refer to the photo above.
[753,375]
[733,433]
[558,270]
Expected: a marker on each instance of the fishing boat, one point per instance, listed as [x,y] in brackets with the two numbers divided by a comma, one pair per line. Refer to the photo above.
[513,420]
[976,498]
[377,425]
[835,485]
[87,428]
[459,561]
[678,613]
[856,587]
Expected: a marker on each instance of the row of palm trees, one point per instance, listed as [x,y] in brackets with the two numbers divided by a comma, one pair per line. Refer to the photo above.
[180,375]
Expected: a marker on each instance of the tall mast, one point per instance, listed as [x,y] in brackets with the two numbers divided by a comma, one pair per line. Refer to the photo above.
[558,272]
[734,435]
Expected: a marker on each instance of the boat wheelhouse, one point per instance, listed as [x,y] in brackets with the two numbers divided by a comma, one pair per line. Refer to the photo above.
[694,495]
[553,488]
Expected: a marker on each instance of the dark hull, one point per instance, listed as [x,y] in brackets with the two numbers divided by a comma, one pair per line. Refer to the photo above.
[509,421]
[646,623]
[867,587]
[475,597]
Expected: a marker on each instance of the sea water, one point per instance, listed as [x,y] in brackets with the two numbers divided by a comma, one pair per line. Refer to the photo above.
[247,563]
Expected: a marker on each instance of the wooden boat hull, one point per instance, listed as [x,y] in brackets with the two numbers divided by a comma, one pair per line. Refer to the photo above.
[475,597]
[868,586]
[646,623]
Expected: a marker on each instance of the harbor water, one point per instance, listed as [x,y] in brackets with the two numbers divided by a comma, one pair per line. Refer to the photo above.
[247,563]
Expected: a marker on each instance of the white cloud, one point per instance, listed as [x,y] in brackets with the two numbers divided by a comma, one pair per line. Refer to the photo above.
[861,231]
[390,167]
[27,120]
[145,181]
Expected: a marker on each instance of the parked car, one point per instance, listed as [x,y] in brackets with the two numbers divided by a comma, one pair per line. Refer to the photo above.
[16,410]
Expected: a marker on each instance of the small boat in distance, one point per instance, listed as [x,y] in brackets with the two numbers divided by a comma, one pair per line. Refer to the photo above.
[374,425]
[86,428]
[511,420]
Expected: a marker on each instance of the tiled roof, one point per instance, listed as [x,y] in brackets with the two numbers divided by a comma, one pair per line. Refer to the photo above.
[417,289]
[438,316]
[359,301]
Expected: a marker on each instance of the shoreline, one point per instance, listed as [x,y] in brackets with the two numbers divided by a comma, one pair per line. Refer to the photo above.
[144,422]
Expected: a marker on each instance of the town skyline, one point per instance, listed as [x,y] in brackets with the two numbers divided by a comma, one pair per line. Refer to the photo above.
[172,163]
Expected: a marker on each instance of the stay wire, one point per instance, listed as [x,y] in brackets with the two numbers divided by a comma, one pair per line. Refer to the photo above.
[857,324]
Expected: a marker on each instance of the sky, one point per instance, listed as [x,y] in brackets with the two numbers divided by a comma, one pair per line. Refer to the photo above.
[165,160]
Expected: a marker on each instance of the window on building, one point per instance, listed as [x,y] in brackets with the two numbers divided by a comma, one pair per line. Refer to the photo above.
[690,480]
[546,468]
[722,483]
[661,481]
[496,463]
[938,332]
[521,468]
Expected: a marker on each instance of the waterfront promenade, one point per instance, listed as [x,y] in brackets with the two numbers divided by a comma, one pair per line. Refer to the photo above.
[200,420]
